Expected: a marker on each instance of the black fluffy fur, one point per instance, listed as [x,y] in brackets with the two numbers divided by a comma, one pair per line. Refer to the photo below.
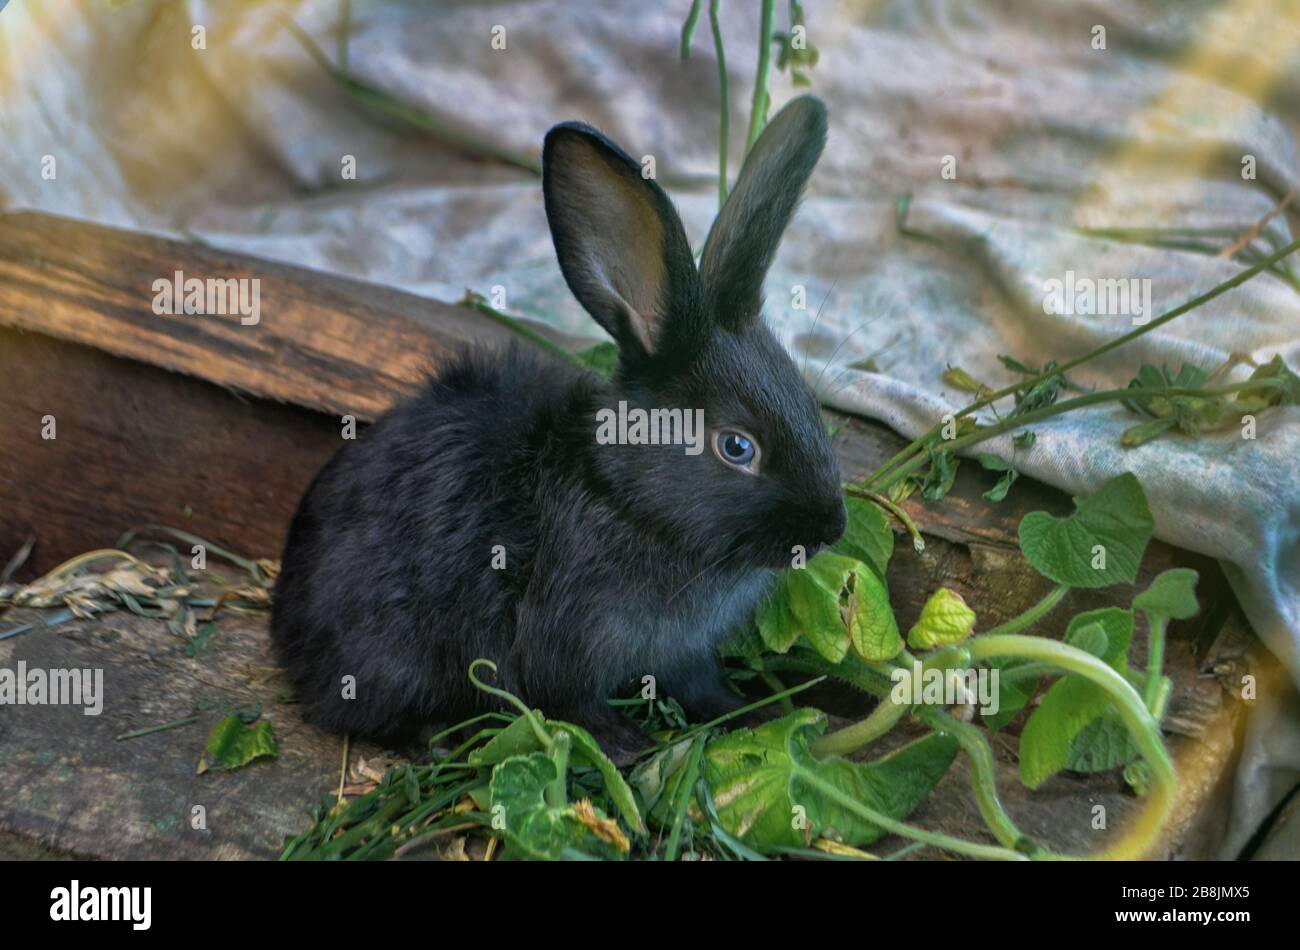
[622,561]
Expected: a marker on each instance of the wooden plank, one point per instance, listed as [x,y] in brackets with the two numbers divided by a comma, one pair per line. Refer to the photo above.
[138,445]
[337,345]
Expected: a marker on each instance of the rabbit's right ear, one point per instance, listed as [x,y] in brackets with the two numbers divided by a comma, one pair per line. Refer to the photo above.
[620,243]
[745,235]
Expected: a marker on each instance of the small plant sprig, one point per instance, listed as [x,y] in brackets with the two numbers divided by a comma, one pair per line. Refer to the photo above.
[1271,385]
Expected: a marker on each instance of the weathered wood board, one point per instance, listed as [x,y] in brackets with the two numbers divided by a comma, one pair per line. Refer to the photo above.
[202,424]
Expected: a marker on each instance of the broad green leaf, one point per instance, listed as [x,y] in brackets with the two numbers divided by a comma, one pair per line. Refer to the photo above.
[1117,625]
[538,831]
[1091,639]
[231,744]
[1066,709]
[873,630]
[1013,696]
[1172,595]
[867,535]
[945,620]
[518,738]
[1100,544]
[1066,730]
[759,782]
[1101,745]
[776,624]
[816,610]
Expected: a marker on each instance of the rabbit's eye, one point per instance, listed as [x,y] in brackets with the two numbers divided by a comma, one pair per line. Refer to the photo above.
[736,449]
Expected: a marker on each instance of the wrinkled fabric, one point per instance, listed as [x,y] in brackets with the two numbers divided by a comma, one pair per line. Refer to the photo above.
[1022,147]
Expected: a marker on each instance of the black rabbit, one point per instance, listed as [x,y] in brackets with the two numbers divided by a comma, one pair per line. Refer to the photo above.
[485,518]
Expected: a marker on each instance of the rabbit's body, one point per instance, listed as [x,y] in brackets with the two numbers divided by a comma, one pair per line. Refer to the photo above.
[388,574]
[487,518]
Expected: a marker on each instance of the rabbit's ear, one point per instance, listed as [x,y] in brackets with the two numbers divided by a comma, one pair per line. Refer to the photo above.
[745,235]
[619,241]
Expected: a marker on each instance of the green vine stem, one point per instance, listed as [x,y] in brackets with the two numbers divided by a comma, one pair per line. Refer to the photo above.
[684,789]
[557,795]
[1031,616]
[725,119]
[1010,423]
[758,109]
[983,781]
[883,718]
[918,543]
[546,739]
[877,478]
[1155,662]
[688,36]
[1132,710]
[977,748]
[934,838]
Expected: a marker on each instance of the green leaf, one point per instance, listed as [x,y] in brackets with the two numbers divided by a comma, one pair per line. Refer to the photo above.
[1013,696]
[867,536]
[534,829]
[1117,625]
[587,751]
[940,476]
[776,624]
[1288,395]
[1066,709]
[1009,475]
[958,378]
[1040,395]
[1172,595]
[518,738]
[232,745]
[1101,745]
[816,610]
[1061,733]
[1091,639]
[759,781]
[873,630]
[945,620]
[1100,544]
[652,778]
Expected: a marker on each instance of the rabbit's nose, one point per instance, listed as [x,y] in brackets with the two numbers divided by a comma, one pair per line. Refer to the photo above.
[831,520]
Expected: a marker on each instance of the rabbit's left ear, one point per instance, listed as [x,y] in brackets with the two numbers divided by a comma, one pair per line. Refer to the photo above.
[620,244]
[745,235]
